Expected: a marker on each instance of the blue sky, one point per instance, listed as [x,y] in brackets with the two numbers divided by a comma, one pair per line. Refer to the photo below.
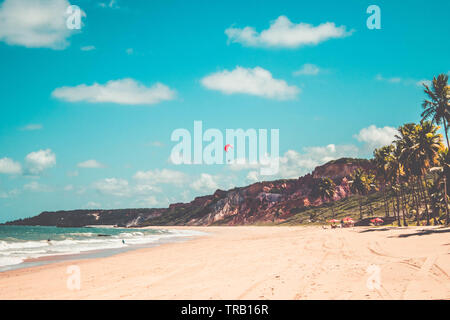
[82,113]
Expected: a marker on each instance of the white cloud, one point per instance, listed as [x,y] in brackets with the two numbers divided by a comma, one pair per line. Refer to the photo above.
[92,164]
[149,202]
[81,190]
[9,166]
[124,91]
[404,81]
[307,69]
[379,77]
[256,81]
[40,160]
[376,137]
[145,189]
[253,176]
[69,187]
[35,23]
[420,83]
[113,186]
[9,194]
[87,48]
[242,164]
[35,186]
[122,188]
[92,205]
[285,34]
[294,164]
[206,183]
[32,127]
[164,176]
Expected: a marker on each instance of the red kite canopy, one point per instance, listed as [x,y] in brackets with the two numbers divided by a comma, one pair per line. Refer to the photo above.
[228,146]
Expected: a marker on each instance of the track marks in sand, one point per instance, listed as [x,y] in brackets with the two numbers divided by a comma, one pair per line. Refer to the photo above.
[428,277]
[425,274]
[328,269]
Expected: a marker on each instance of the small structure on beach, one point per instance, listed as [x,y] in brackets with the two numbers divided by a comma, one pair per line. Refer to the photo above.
[377,221]
[333,223]
[347,222]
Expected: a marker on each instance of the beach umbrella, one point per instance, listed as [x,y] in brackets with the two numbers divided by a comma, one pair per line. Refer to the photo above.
[379,220]
[348,221]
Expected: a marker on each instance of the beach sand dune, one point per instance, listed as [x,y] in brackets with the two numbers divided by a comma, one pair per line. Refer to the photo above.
[258,263]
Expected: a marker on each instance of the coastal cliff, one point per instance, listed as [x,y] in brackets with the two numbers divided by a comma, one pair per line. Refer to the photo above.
[260,202]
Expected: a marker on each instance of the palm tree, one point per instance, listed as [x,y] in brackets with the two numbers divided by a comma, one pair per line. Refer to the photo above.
[440,197]
[381,163]
[395,169]
[424,154]
[362,183]
[404,168]
[326,190]
[428,143]
[419,146]
[437,107]
[436,200]
[445,163]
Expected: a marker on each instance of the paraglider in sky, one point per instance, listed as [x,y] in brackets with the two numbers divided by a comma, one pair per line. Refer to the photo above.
[227,147]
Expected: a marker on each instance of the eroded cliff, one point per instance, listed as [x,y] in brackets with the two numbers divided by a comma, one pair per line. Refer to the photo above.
[260,202]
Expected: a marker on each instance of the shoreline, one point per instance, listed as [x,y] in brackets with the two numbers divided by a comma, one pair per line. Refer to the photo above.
[47,259]
[249,262]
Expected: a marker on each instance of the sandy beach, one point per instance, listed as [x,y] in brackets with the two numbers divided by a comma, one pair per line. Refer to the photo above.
[258,263]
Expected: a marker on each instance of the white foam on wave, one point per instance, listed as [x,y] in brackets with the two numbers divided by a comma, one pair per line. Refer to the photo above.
[15,252]
[9,261]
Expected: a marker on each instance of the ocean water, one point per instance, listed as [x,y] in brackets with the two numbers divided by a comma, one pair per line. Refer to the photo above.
[19,244]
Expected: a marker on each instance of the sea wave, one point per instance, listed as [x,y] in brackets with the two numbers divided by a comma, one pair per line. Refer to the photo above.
[17,251]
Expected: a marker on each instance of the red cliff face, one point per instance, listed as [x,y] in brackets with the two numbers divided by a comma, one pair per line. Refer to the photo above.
[260,202]
[273,200]
[343,167]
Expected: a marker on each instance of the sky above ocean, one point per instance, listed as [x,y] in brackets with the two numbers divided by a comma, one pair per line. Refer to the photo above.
[86,115]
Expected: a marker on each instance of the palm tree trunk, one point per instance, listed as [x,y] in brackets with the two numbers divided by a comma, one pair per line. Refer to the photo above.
[398,209]
[397,191]
[415,198]
[386,203]
[403,206]
[393,207]
[446,132]
[447,221]
[422,201]
[360,208]
[425,199]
